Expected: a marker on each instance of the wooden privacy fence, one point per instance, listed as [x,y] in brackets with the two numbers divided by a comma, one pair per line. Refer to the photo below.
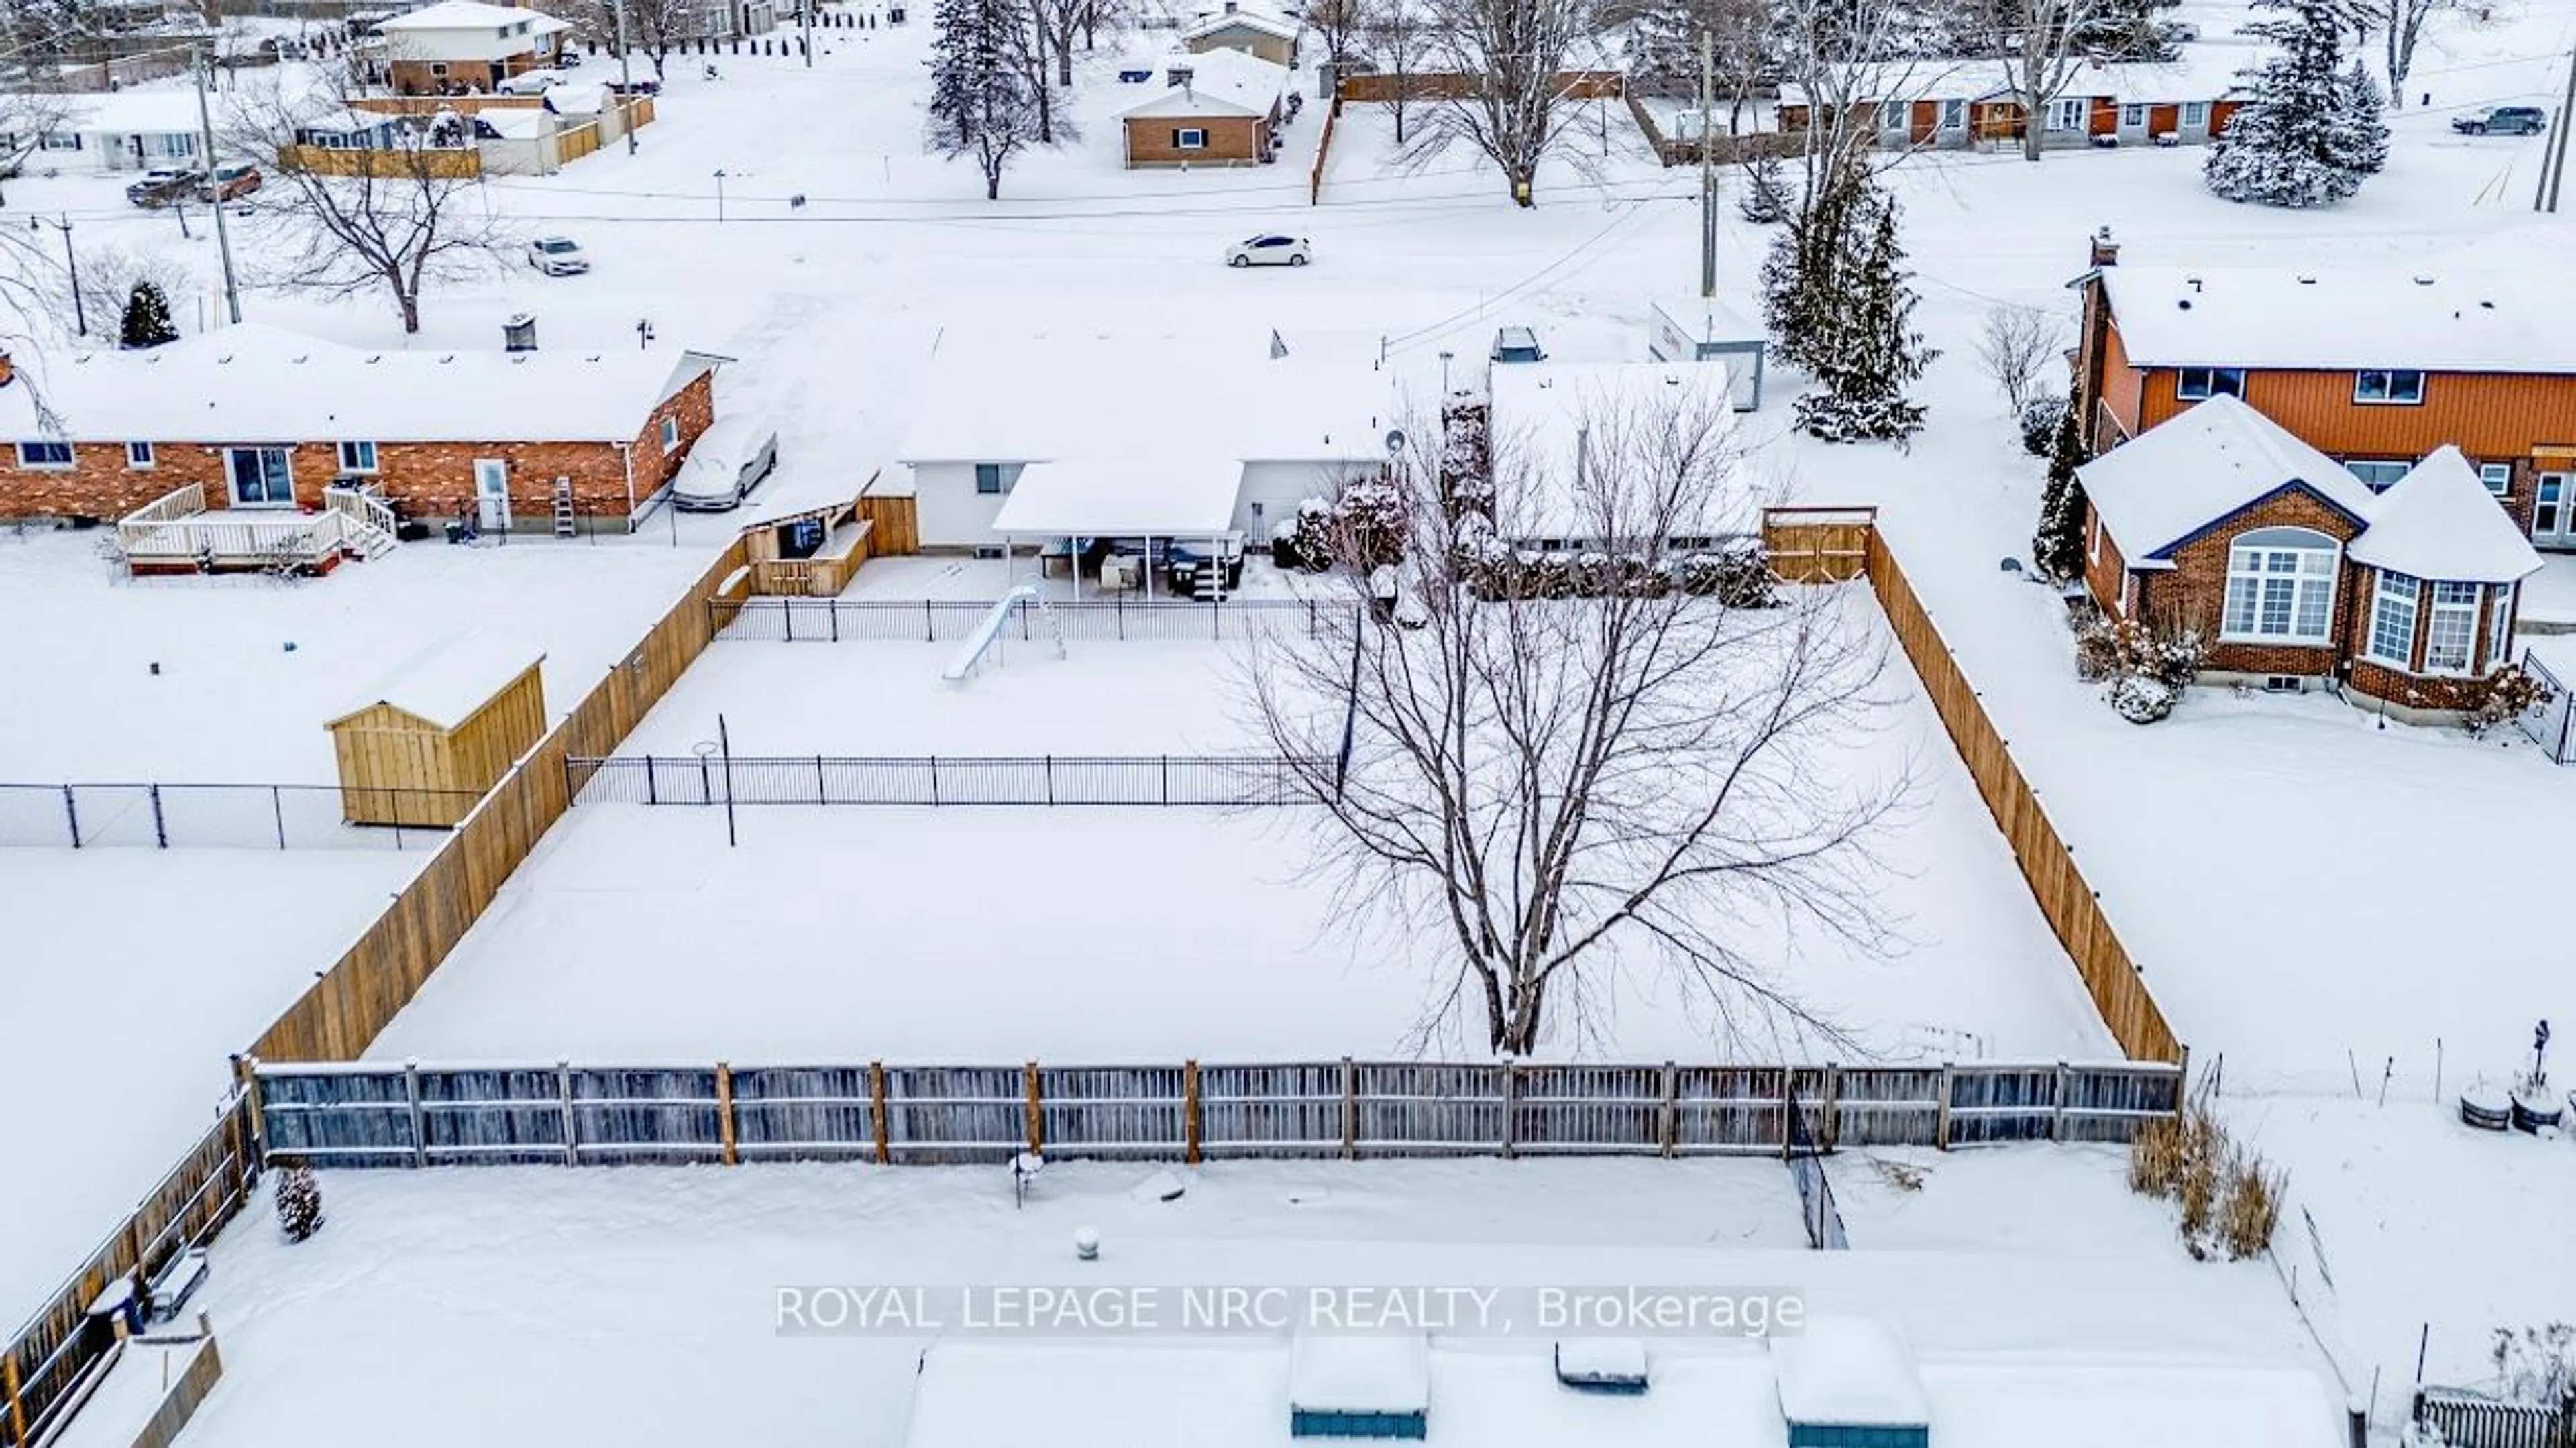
[406,1114]
[45,1363]
[1451,85]
[1833,544]
[447,163]
[344,1010]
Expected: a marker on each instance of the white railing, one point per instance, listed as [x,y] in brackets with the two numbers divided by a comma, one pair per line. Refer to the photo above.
[147,530]
[297,537]
[360,505]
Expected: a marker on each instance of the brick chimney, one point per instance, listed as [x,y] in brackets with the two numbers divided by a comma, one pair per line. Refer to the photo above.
[2106,252]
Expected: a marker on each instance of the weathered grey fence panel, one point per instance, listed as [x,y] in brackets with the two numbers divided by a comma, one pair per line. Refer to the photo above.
[1112,1111]
[1587,1110]
[623,1115]
[804,1113]
[1425,1109]
[505,1114]
[1886,1106]
[947,1114]
[1248,1111]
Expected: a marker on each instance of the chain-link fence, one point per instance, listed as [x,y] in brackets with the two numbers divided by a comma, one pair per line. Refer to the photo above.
[223,816]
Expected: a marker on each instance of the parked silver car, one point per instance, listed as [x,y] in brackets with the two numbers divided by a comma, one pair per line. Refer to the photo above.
[1271,250]
[558,256]
[726,462]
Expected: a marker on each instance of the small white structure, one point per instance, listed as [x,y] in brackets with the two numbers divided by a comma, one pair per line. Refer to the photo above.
[1851,1378]
[1704,329]
[1359,1385]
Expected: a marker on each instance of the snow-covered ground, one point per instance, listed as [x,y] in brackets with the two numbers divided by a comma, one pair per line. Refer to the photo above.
[127,977]
[639,1304]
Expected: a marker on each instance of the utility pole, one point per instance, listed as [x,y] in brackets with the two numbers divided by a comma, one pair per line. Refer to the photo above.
[1707,168]
[71,258]
[223,233]
[625,79]
[2555,172]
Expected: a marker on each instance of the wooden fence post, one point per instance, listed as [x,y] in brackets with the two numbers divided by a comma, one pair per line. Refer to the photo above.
[411,1098]
[17,1404]
[1350,1109]
[1668,1129]
[877,1110]
[1036,1110]
[246,1072]
[1941,1128]
[2057,1108]
[1190,1127]
[724,1113]
[1788,1111]
[563,1088]
[1832,1134]
[1511,1102]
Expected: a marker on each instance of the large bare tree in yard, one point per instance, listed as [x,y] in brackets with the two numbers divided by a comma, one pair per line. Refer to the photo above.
[1513,56]
[2040,46]
[1394,37]
[1560,776]
[343,223]
[2399,24]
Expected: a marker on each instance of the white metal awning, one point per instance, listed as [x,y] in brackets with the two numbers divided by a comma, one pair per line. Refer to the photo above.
[1122,498]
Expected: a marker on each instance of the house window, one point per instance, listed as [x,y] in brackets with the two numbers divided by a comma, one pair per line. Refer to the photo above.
[2128,594]
[2549,507]
[2454,631]
[2497,476]
[2499,624]
[2066,113]
[2392,619]
[138,455]
[670,434]
[2377,475]
[438,67]
[2096,552]
[1954,115]
[357,457]
[44,454]
[2195,114]
[2133,117]
[996,478]
[59,141]
[2399,388]
[1192,139]
[2280,586]
[2199,384]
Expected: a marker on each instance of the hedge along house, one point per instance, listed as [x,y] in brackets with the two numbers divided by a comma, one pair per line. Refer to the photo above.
[1217,109]
[2296,573]
[264,421]
[2373,368]
[1965,104]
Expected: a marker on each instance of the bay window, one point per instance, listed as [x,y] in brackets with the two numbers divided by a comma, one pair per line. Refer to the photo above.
[2280,587]
[2392,619]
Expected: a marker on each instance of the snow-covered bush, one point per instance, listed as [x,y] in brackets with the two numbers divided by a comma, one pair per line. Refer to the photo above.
[2040,418]
[2537,1365]
[2145,671]
[2141,700]
[2504,696]
[1766,200]
[299,1202]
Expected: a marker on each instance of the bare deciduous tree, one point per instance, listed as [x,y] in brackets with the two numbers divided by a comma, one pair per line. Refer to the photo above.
[339,223]
[1568,790]
[1395,37]
[1513,55]
[1337,24]
[2016,344]
[2040,47]
[25,117]
[2399,25]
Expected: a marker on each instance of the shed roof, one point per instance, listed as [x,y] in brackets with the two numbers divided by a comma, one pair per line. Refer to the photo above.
[1359,1372]
[1222,83]
[445,683]
[2190,471]
[2440,522]
[1713,321]
[2339,319]
[256,383]
[1851,1372]
[1554,422]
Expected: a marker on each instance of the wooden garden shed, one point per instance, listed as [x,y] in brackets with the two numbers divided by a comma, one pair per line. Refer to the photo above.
[438,733]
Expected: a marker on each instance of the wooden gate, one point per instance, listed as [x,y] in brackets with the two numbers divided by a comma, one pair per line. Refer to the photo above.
[1818,545]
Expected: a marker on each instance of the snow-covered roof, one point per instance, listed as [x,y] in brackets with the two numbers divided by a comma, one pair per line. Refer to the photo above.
[136,111]
[1157,493]
[516,123]
[2337,319]
[2439,521]
[1554,422]
[1247,19]
[1221,83]
[447,681]
[2202,73]
[1331,1372]
[1850,1372]
[1711,320]
[1121,397]
[470,15]
[2190,471]
[577,98]
[256,383]
[2040,1402]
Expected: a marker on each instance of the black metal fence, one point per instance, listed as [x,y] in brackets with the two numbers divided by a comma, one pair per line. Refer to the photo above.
[1152,779]
[2551,723]
[2475,1420]
[394,1114]
[934,620]
[1816,1210]
[220,816]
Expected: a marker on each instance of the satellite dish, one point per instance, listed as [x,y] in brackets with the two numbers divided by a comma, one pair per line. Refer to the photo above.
[1394,441]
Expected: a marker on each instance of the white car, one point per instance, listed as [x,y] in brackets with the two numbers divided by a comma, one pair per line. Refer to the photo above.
[726,462]
[558,256]
[1271,251]
[530,82]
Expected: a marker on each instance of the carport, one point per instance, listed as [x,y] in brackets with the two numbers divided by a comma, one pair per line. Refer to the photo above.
[1175,499]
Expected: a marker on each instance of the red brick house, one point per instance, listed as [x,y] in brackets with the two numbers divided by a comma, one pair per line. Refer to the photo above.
[2375,369]
[1937,103]
[264,421]
[2296,572]
[1222,108]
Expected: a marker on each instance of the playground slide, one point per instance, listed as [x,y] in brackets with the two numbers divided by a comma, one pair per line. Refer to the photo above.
[987,634]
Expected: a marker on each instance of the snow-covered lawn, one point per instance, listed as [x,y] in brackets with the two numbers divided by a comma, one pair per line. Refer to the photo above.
[638,1304]
[251,669]
[127,977]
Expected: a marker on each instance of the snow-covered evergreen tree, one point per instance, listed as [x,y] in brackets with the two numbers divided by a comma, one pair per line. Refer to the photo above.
[984,101]
[2057,545]
[2367,107]
[1861,344]
[147,318]
[960,24]
[2305,138]
[299,1202]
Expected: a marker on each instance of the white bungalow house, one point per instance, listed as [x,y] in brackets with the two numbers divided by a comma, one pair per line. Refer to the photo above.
[1020,444]
[127,130]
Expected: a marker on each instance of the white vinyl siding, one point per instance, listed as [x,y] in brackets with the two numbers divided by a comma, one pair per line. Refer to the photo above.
[2392,619]
[2280,587]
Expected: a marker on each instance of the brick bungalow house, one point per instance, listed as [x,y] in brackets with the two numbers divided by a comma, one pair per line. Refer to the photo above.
[1218,109]
[2375,369]
[1950,104]
[267,419]
[2299,574]
[458,47]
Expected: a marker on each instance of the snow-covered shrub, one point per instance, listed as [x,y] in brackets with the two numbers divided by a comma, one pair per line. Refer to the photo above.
[1466,458]
[1738,576]
[1766,198]
[2504,696]
[2537,1365]
[299,1202]
[2145,670]
[2040,418]
[2141,700]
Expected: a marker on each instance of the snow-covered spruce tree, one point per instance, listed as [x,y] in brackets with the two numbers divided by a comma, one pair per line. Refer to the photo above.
[147,318]
[959,23]
[299,1202]
[2303,139]
[984,101]
[2368,110]
[1869,352]
[2057,545]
